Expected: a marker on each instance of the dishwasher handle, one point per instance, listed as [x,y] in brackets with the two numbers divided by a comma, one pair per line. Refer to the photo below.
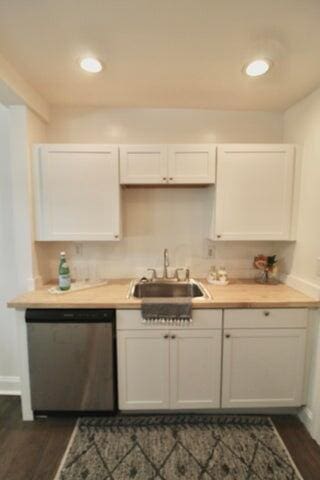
[71,315]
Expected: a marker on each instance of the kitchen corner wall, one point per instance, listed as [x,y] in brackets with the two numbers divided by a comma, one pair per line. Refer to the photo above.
[155,218]
[302,126]
[19,129]
[9,379]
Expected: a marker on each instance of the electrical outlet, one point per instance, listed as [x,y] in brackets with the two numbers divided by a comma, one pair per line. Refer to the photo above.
[79,249]
[210,249]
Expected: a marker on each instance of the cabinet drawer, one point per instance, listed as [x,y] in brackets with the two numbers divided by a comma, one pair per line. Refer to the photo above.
[132,320]
[266,318]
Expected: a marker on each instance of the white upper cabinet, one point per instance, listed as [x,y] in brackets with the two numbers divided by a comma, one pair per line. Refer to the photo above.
[77,192]
[191,164]
[143,164]
[254,194]
[167,164]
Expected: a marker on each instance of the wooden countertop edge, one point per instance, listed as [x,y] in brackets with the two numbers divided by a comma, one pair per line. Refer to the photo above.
[238,294]
[312,304]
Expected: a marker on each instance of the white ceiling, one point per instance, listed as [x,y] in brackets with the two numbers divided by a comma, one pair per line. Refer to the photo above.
[165,53]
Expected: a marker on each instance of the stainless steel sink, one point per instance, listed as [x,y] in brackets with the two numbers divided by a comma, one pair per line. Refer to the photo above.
[167,289]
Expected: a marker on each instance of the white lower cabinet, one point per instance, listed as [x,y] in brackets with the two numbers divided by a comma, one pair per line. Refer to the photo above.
[169,368]
[143,369]
[195,369]
[262,360]
[262,366]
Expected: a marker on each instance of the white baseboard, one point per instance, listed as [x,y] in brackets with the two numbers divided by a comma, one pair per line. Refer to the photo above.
[304,286]
[10,385]
[306,418]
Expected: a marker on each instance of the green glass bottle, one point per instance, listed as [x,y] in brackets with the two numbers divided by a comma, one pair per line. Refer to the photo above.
[64,273]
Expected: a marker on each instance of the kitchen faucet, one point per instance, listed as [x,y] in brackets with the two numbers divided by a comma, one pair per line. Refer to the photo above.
[165,275]
[165,263]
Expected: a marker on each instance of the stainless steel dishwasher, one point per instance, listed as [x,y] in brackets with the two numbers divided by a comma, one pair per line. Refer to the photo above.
[72,360]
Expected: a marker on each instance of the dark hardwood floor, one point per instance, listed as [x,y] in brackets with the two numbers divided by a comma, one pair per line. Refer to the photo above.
[33,450]
[30,450]
[304,451]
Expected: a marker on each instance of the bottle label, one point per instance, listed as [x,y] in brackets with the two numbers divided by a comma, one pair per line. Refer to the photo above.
[64,282]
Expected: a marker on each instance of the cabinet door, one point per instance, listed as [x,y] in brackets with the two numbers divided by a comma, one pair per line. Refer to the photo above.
[263,368]
[143,369]
[195,368]
[77,192]
[192,164]
[143,164]
[254,196]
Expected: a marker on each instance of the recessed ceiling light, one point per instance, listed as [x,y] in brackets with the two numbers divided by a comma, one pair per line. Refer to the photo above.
[257,67]
[90,64]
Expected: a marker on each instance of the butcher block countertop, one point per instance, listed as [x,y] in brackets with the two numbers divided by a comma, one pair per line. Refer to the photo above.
[238,294]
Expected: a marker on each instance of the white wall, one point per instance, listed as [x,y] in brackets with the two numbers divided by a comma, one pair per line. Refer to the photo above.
[126,125]
[302,126]
[9,381]
[14,90]
[156,218]
[36,133]
[19,128]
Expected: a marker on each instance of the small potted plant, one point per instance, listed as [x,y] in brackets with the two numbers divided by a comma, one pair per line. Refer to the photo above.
[268,269]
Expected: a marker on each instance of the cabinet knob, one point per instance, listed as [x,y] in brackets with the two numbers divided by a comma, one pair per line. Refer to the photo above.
[173,337]
[171,178]
[228,335]
[116,236]
[218,236]
[266,314]
[164,178]
[166,336]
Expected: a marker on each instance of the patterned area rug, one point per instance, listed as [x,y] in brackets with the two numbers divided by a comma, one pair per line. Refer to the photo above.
[169,447]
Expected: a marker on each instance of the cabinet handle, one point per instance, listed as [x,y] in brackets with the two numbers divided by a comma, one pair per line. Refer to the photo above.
[166,336]
[173,337]
[171,178]
[228,335]
[266,314]
[218,236]
[116,236]
[164,178]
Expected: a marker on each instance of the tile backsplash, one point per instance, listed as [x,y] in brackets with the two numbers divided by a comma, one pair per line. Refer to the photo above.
[153,219]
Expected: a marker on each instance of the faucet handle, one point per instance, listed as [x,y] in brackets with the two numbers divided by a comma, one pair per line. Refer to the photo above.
[187,274]
[176,273]
[154,273]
